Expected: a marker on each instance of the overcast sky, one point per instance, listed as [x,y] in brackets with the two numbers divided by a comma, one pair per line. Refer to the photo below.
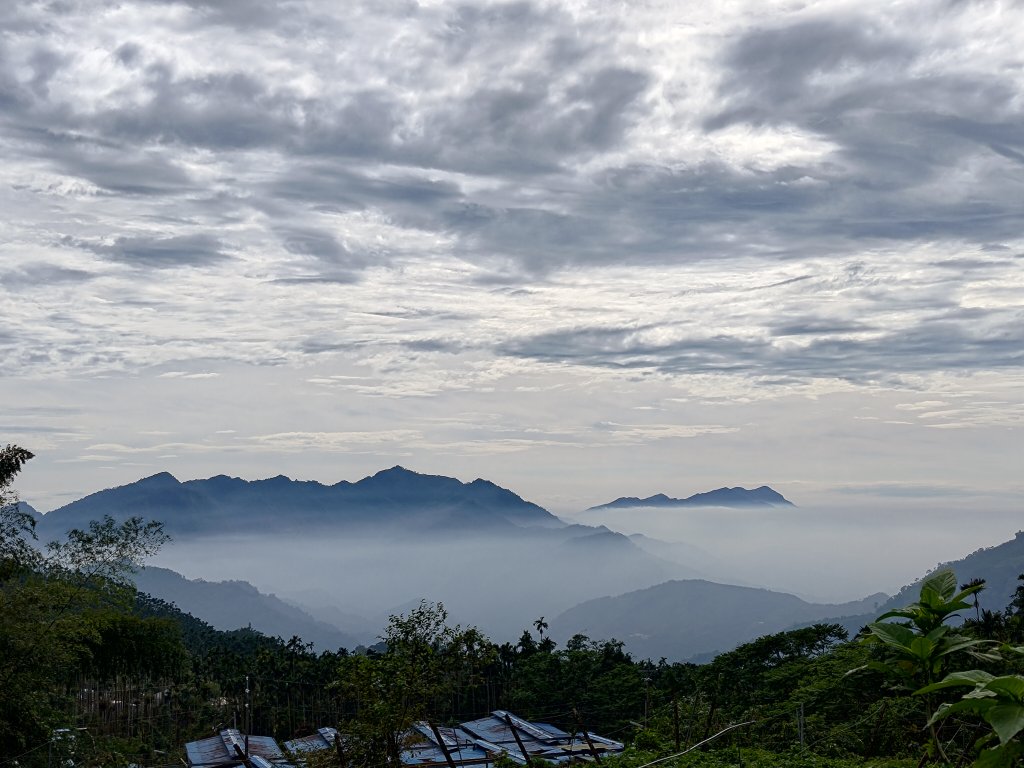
[582,249]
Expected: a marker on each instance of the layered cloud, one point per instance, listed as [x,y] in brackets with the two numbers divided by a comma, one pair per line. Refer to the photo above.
[397,201]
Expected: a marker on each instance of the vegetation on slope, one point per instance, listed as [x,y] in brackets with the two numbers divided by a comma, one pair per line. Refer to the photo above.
[90,670]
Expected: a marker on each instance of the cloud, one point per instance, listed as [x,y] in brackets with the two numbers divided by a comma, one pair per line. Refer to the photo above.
[188,375]
[644,433]
[335,441]
[152,251]
[950,341]
[43,274]
[911,491]
[564,212]
[919,137]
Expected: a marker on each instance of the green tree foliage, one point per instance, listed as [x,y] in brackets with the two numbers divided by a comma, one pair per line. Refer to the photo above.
[424,664]
[56,604]
[79,648]
[920,650]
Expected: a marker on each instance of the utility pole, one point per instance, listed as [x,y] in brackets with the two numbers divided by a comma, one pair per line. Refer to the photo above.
[248,717]
[675,720]
[586,737]
[647,698]
[800,724]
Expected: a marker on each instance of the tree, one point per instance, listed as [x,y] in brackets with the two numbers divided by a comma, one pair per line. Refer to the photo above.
[999,701]
[54,603]
[17,527]
[980,584]
[414,679]
[919,652]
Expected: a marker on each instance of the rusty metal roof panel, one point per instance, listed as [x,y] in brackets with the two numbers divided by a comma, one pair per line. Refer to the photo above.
[322,739]
[221,749]
[208,752]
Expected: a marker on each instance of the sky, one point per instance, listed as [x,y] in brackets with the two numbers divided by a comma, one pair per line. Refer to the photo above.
[581,249]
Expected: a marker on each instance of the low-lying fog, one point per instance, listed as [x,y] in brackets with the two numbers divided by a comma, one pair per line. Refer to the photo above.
[501,586]
[827,554]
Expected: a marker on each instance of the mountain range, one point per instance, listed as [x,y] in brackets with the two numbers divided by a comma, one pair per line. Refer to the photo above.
[396,498]
[346,555]
[720,497]
[494,559]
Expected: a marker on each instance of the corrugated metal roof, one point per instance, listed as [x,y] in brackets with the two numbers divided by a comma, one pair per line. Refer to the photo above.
[474,743]
[424,747]
[322,739]
[223,750]
[541,740]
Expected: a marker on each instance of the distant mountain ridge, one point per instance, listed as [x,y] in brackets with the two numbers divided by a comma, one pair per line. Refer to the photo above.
[395,496]
[694,619]
[228,605]
[999,566]
[494,559]
[764,496]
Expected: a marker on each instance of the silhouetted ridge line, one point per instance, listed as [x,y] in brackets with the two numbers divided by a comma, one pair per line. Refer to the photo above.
[221,504]
[763,496]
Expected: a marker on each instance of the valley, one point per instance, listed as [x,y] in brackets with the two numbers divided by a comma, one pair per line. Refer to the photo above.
[332,562]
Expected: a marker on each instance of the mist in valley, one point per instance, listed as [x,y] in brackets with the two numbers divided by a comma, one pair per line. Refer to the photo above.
[503,581]
[825,553]
[500,584]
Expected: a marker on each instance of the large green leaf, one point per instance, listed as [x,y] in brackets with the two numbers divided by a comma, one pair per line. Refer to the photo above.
[961,643]
[1007,720]
[972,706]
[898,613]
[941,582]
[922,648]
[1005,756]
[968,677]
[893,634]
[1008,686]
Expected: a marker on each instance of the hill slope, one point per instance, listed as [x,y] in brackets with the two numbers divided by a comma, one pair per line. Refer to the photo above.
[683,619]
[999,566]
[228,605]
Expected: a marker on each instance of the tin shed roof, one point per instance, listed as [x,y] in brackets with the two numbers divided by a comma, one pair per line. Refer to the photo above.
[226,749]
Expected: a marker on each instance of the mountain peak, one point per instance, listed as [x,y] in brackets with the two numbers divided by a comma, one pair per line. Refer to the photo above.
[736,497]
[160,478]
[394,496]
[396,471]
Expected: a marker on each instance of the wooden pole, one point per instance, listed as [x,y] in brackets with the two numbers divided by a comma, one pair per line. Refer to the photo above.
[442,745]
[586,736]
[519,742]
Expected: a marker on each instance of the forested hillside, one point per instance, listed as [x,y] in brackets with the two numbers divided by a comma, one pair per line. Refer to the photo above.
[95,672]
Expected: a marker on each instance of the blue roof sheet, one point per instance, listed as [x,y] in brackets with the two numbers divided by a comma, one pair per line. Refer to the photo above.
[474,743]
[221,750]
